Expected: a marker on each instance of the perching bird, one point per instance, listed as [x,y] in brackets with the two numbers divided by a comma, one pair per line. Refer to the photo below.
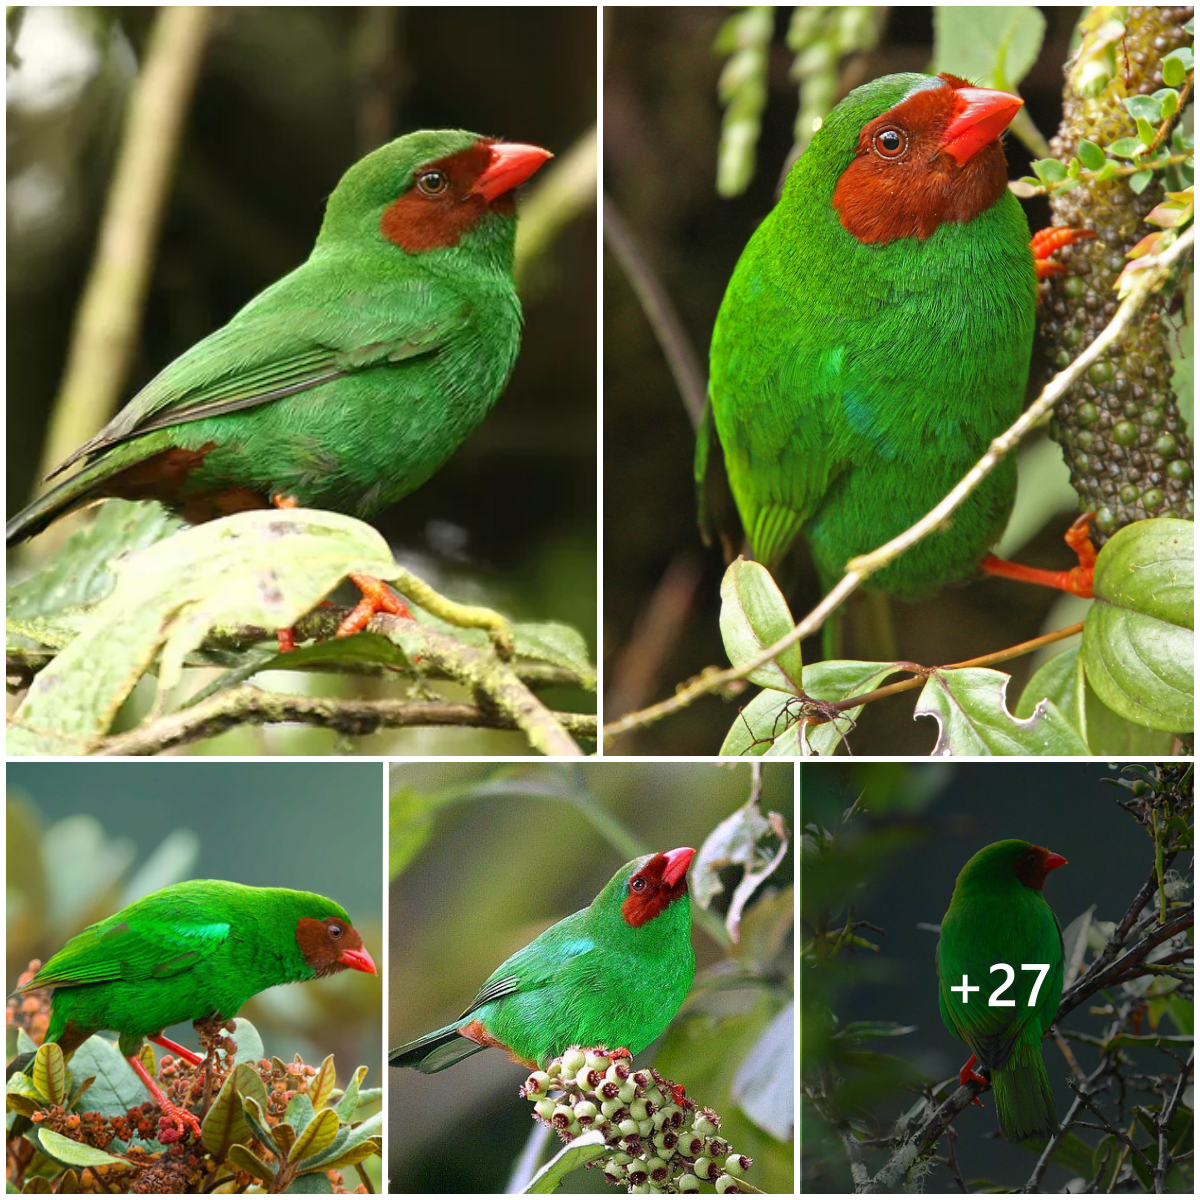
[999,915]
[875,337]
[612,974]
[349,382]
[192,951]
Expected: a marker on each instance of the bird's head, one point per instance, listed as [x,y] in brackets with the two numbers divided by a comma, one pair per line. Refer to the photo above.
[1034,863]
[923,150]
[651,884]
[430,190]
[997,864]
[331,944]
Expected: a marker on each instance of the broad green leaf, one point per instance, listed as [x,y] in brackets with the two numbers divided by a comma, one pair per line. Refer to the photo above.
[257,568]
[50,1073]
[584,1149]
[1050,170]
[835,680]
[1060,681]
[1144,108]
[313,1183]
[1090,155]
[355,1154]
[991,45]
[75,1154]
[116,1088]
[1137,637]
[1110,734]
[367,1132]
[316,1137]
[348,1104]
[300,1111]
[82,572]
[246,1160]
[249,1043]
[969,707]
[764,1085]
[758,724]
[754,615]
[556,643]
[257,1120]
[224,1123]
[1126,147]
[321,1085]
[1173,70]
[1140,181]
[21,1095]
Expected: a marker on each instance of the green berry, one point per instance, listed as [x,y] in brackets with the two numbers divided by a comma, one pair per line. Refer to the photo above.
[562,1116]
[656,1168]
[545,1109]
[704,1167]
[572,1061]
[1179,469]
[538,1084]
[617,1072]
[597,1061]
[637,1172]
[585,1112]
[586,1079]
[639,1110]
[1165,445]
[628,1127]
[691,1145]
[1124,433]
[610,1108]
[1152,498]
[737,1164]
[688,1185]
[1087,413]
[627,1092]
[727,1183]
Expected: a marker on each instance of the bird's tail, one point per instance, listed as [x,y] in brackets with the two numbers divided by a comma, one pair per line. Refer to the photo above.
[435,1051]
[1024,1101]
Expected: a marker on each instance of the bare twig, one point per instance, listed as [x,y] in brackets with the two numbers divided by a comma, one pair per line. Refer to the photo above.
[660,311]
[106,325]
[866,565]
[248,705]
[1163,1165]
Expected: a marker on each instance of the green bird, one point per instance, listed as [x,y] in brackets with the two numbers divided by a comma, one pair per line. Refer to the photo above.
[998,915]
[193,951]
[612,974]
[874,338]
[350,381]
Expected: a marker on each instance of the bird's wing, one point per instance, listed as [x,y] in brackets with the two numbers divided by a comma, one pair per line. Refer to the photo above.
[311,327]
[132,949]
[535,965]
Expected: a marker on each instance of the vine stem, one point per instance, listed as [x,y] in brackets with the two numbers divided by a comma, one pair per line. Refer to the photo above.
[862,568]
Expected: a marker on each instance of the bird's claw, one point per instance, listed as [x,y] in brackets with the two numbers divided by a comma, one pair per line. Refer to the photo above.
[1046,241]
[377,597]
[175,1121]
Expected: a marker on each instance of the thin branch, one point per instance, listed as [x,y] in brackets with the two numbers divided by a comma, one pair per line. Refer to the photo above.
[109,315]
[1164,1125]
[866,565]
[248,705]
[664,319]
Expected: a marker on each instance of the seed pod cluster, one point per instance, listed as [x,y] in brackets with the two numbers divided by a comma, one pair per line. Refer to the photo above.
[1120,428]
[659,1141]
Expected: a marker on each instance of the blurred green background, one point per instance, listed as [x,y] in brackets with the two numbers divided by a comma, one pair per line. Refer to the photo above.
[895,864]
[83,840]
[288,98]
[484,859]
[662,127]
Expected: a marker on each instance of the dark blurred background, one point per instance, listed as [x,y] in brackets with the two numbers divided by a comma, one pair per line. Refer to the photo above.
[483,860]
[896,864]
[83,840]
[288,98]
[662,127]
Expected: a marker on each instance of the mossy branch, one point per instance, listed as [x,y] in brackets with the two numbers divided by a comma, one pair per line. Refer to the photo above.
[1145,285]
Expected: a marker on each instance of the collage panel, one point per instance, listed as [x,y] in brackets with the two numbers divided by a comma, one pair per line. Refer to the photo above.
[626,931]
[166,903]
[897,388]
[302,367]
[997,982]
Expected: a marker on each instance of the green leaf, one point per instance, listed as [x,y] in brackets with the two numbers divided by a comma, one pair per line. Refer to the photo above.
[224,1123]
[1060,681]
[554,642]
[75,1154]
[257,1120]
[969,707]
[50,1073]
[992,45]
[355,1154]
[348,1104]
[316,1137]
[321,1085]
[1168,99]
[1137,636]
[260,568]
[1173,70]
[249,1043]
[835,680]
[754,615]
[21,1095]
[116,1088]
[1140,181]
[1126,147]
[246,1160]
[300,1111]
[1090,154]
[858,1030]
[1108,171]
[314,1183]
[82,573]
[1144,108]
[767,717]
[345,1150]
[583,1150]
[1050,170]
[1146,131]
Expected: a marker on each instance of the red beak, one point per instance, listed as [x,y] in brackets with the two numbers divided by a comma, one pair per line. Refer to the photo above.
[981,116]
[360,960]
[1052,861]
[678,862]
[512,163]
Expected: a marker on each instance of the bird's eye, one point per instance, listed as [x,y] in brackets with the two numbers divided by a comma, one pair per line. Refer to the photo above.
[335,930]
[890,143]
[433,183]
[637,884]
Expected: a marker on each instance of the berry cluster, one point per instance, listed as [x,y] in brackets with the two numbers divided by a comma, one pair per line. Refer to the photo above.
[659,1141]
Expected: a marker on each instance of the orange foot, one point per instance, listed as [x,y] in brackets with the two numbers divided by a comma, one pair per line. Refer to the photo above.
[175,1121]
[1046,241]
[1077,581]
[967,1073]
[377,597]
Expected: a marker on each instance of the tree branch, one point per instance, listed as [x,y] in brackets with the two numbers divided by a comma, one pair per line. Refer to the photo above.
[248,705]
[866,565]
[1163,1165]
[106,324]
